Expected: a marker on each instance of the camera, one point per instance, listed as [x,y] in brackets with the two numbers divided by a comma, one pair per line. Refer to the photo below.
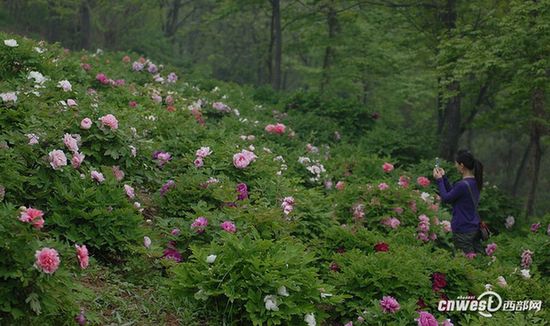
[437,162]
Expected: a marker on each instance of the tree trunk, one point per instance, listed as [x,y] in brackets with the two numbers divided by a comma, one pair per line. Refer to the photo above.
[333,27]
[85,25]
[278,44]
[451,129]
[521,167]
[536,133]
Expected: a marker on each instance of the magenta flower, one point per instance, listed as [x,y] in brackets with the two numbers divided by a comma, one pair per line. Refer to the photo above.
[110,121]
[200,224]
[172,254]
[426,319]
[277,129]
[526,259]
[389,304]
[535,227]
[97,176]
[423,181]
[490,249]
[170,184]
[242,189]
[387,167]
[383,186]
[228,226]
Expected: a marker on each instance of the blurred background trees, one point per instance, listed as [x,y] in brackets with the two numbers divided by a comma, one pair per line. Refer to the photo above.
[439,74]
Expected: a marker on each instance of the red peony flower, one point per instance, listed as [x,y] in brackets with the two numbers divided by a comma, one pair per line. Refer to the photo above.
[382,246]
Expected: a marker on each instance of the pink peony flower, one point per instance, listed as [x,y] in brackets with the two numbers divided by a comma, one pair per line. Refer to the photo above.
[446,226]
[383,186]
[403,182]
[526,259]
[137,66]
[97,176]
[71,102]
[447,322]
[77,160]
[172,77]
[203,152]
[33,139]
[162,157]
[242,190]
[86,123]
[389,304]
[126,59]
[65,85]
[47,260]
[387,167]
[152,68]
[426,319]
[110,121]
[490,249]
[277,129]
[241,160]
[169,100]
[471,255]
[102,78]
[175,232]
[170,184]
[221,107]
[129,191]
[391,222]
[228,226]
[200,224]
[117,172]
[32,216]
[423,181]
[82,255]
[132,104]
[86,66]
[70,142]
[57,159]
[340,185]
[198,162]
[81,318]
[398,210]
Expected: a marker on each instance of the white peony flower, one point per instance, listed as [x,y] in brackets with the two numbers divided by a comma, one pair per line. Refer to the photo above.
[271,303]
[282,291]
[211,259]
[11,43]
[147,242]
[38,77]
[525,273]
[502,282]
[310,320]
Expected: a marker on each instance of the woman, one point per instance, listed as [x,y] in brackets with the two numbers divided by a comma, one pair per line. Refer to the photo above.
[464,196]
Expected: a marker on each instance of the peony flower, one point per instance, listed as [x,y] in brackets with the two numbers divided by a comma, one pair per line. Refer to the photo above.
[446,226]
[97,176]
[9,97]
[502,282]
[228,226]
[57,159]
[70,142]
[438,281]
[71,102]
[129,191]
[47,260]
[282,291]
[310,319]
[137,66]
[271,303]
[447,322]
[147,242]
[490,249]
[340,185]
[383,186]
[535,227]
[86,123]
[77,160]
[510,221]
[32,216]
[241,160]
[242,189]
[423,181]
[80,318]
[391,222]
[110,121]
[175,232]
[82,255]
[221,107]
[211,259]
[525,273]
[387,167]
[403,182]
[172,254]
[198,162]
[426,319]
[117,172]
[33,139]
[200,224]
[38,77]
[381,247]
[152,68]
[126,59]
[471,255]
[162,157]
[11,43]
[172,78]
[133,151]
[65,85]
[277,129]
[526,259]
[389,304]
[203,152]
[334,267]
[170,184]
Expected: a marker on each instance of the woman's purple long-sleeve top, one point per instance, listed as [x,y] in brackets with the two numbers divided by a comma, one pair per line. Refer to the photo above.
[465,217]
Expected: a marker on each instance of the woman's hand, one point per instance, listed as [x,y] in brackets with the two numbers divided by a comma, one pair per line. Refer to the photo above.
[438,173]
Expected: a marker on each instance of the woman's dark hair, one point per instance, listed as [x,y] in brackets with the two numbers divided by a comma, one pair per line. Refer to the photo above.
[465,157]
